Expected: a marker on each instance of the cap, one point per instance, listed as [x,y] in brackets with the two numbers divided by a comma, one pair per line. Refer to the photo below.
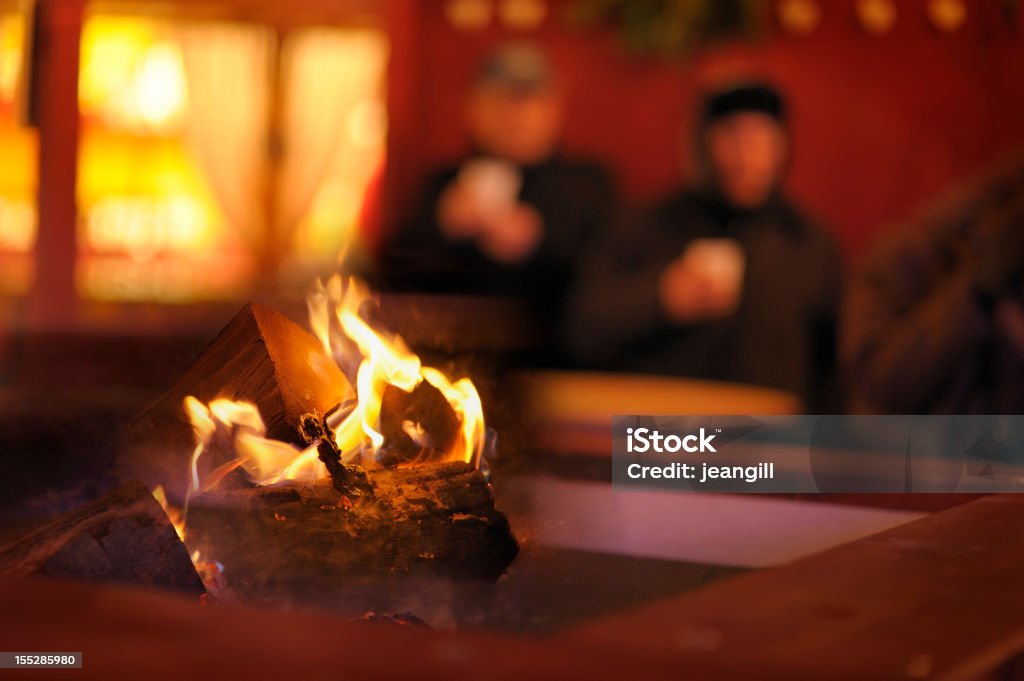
[521,65]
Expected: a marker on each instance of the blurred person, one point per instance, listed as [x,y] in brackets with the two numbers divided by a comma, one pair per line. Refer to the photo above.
[511,218]
[934,320]
[725,280]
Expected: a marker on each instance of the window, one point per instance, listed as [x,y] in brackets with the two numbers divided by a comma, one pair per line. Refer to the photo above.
[209,153]
[18,166]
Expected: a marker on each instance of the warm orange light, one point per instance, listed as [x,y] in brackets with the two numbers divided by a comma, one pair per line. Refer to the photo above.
[131,76]
[465,400]
[17,225]
[336,314]
[160,90]
[173,514]
[265,460]
[12,37]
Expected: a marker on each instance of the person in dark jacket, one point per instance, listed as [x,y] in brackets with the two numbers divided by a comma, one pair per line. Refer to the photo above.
[725,280]
[512,218]
[934,320]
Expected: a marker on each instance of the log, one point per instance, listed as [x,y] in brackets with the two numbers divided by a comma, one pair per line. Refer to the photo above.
[427,411]
[123,537]
[416,517]
[262,357]
[434,519]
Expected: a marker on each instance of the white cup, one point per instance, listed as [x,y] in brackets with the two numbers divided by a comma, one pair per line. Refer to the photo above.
[722,261]
[494,184]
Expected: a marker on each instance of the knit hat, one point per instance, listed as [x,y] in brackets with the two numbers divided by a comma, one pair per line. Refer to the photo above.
[746,97]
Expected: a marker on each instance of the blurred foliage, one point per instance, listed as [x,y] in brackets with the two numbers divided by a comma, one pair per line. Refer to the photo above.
[671,27]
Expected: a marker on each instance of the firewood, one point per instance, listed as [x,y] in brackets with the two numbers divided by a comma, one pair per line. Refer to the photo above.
[123,537]
[416,425]
[417,516]
[425,519]
[262,357]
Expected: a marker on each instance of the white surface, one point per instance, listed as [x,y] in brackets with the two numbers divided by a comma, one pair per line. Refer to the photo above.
[718,529]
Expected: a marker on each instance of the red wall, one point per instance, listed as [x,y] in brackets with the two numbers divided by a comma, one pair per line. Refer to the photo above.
[880,123]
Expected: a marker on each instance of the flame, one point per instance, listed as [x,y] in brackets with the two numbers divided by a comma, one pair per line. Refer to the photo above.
[173,514]
[465,400]
[267,461]
[210,571]
[336,319]
[377,361]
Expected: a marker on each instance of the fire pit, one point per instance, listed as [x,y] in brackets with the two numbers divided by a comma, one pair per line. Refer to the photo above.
[599,573]
[331,468]
[287,457]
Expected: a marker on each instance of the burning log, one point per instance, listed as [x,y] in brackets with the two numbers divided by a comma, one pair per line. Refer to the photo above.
[417,425]
[432,518]
[122,537]
[261,357]
[399,490]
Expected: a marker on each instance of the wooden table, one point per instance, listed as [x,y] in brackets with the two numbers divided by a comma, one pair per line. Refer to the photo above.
[591,396]
[939,598]
[571,412]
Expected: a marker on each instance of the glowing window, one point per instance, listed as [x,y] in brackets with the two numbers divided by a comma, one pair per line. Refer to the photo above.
[151,225]
[18,169]
[343,70]
[196,168]
[180,181]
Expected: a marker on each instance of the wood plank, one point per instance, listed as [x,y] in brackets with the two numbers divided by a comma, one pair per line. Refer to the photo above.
[939,598]
[130,634]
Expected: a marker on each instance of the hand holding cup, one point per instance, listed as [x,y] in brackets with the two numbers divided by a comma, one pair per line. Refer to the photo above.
[705,282]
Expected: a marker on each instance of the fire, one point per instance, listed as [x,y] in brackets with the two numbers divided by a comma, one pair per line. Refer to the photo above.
[265,460]
[173,514]
[376,359]
[335,317]
[463,398]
